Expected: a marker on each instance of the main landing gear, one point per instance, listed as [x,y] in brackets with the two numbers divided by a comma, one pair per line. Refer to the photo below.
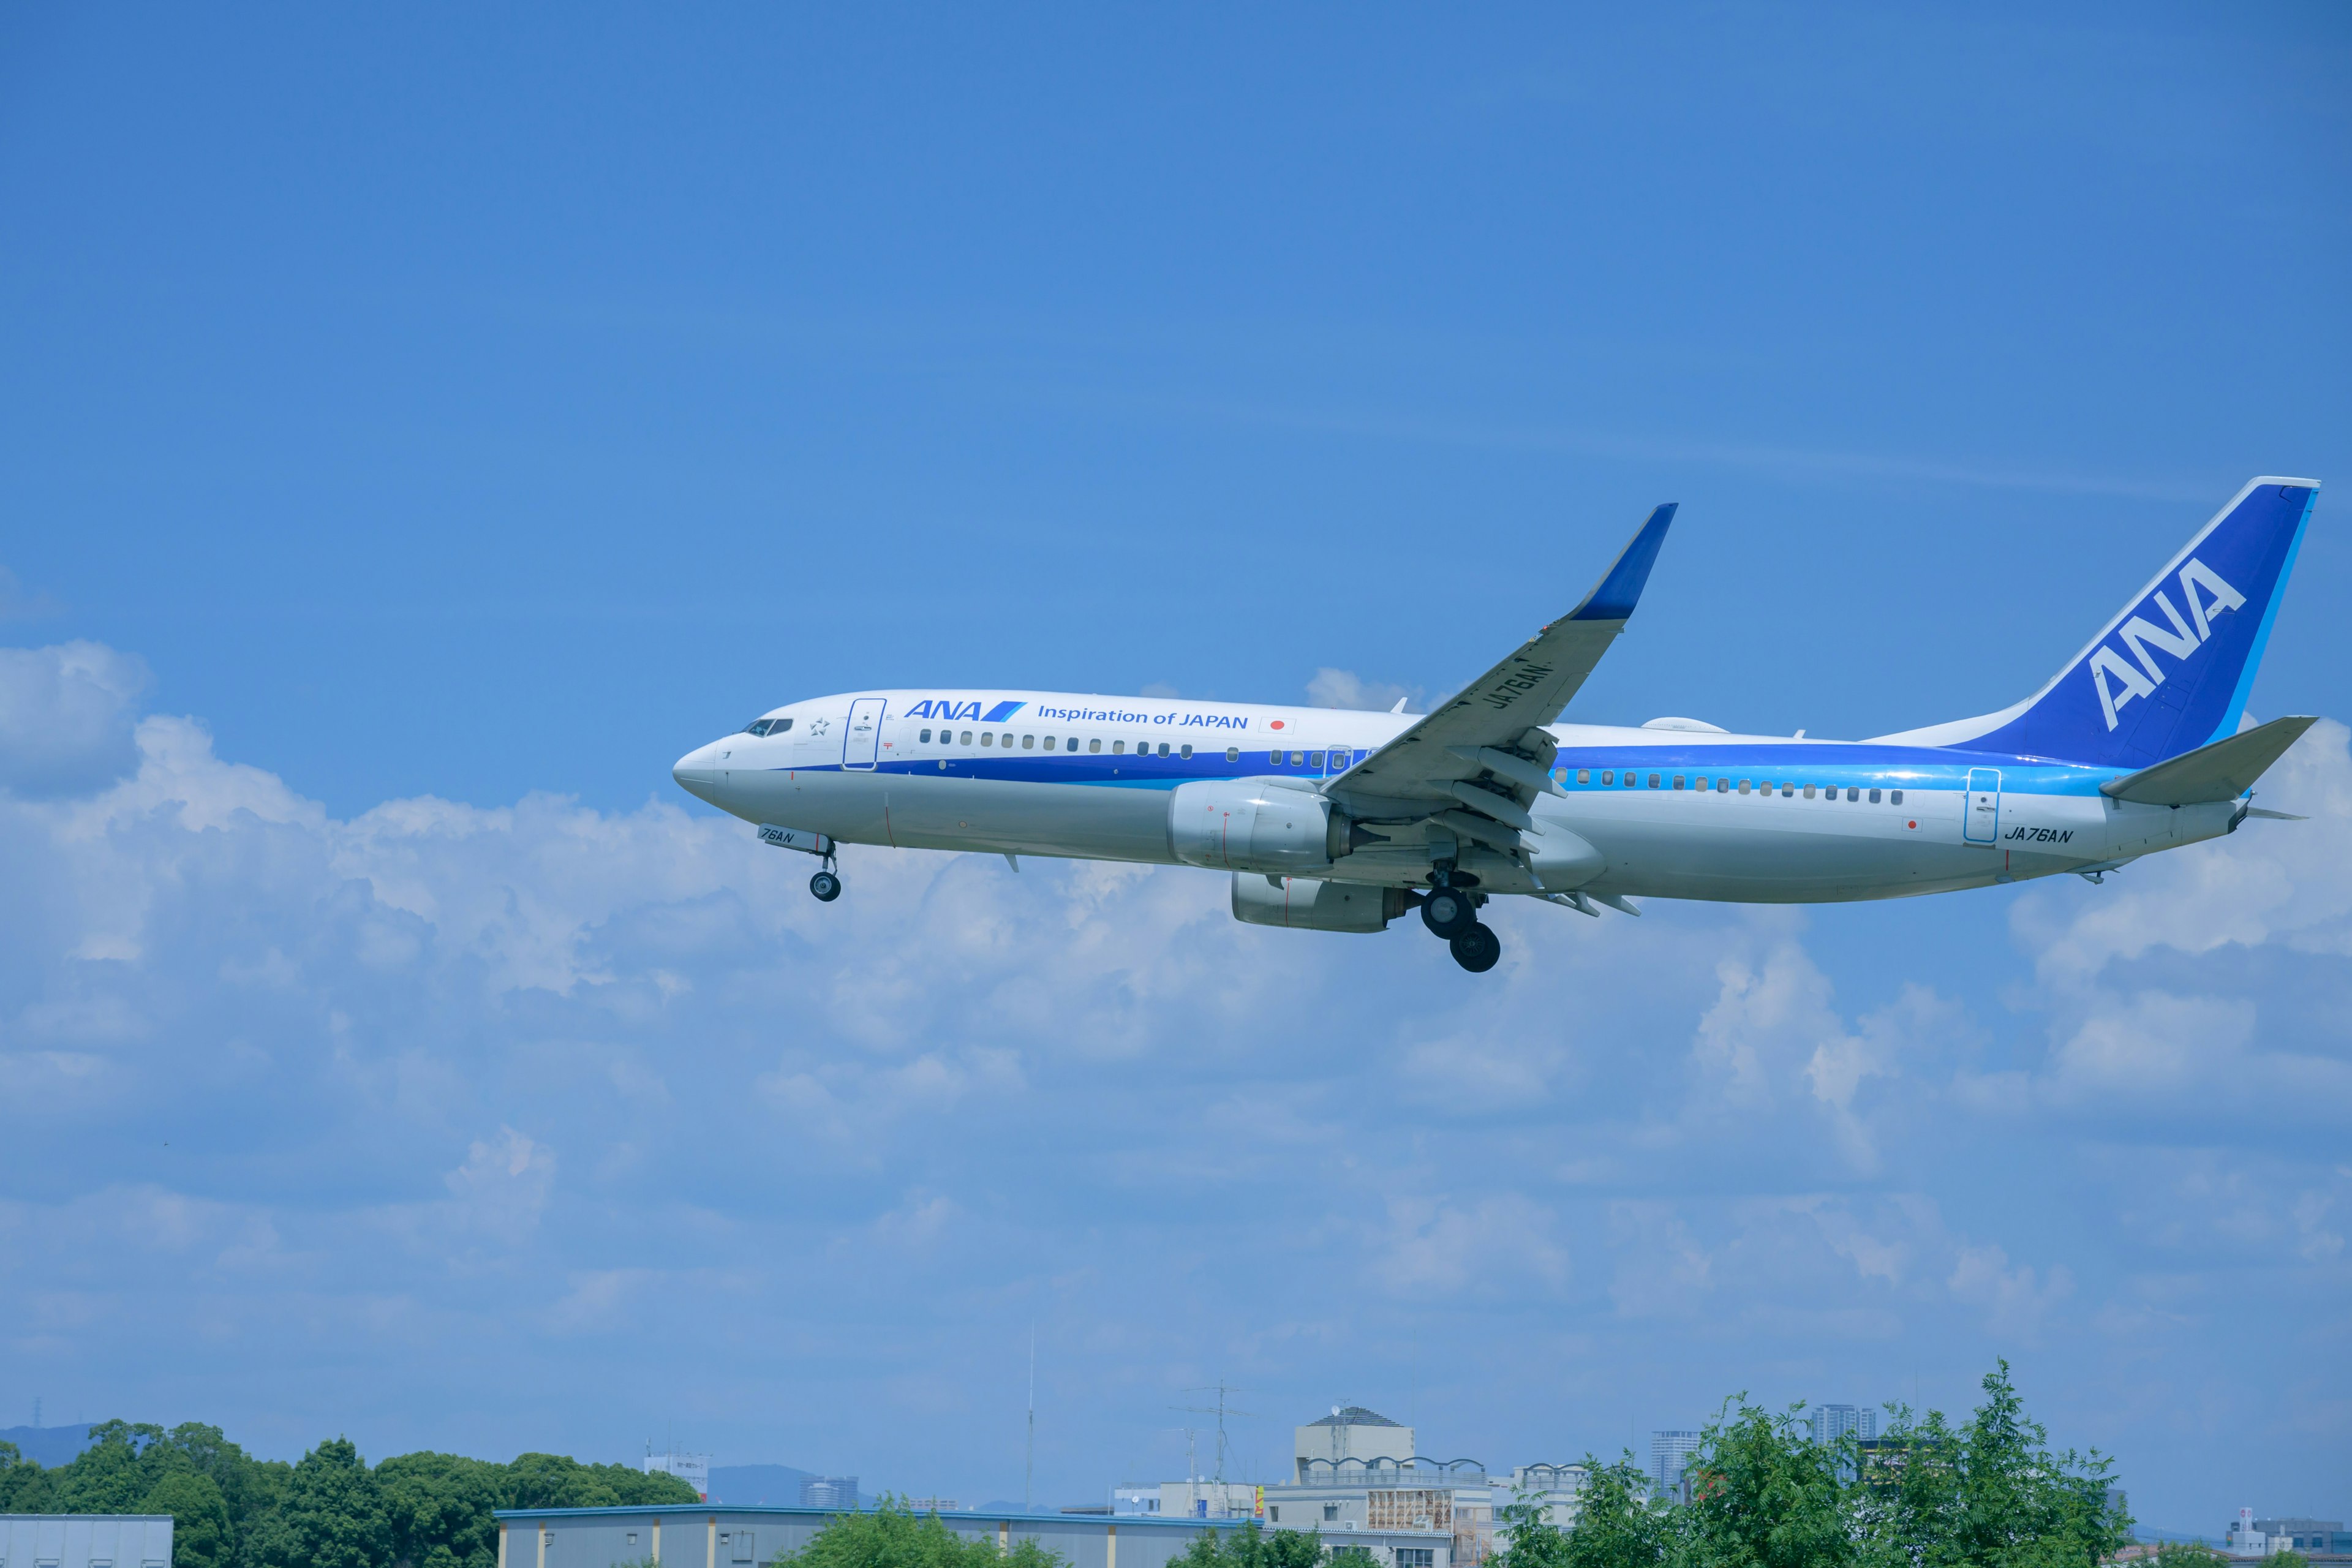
[1449,911]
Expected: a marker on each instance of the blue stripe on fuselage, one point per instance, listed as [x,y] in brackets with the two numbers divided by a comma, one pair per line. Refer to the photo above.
[1826,765]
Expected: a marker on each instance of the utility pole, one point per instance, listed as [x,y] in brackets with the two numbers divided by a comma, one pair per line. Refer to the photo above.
[1029,1463]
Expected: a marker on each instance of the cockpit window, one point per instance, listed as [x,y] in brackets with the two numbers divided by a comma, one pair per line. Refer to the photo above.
[767,726]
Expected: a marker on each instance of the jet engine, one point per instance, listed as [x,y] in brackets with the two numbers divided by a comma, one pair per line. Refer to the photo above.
[1252,825]
[1304,903]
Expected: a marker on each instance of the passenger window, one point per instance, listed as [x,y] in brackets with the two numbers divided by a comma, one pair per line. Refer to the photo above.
[1608,776]
[1809,792]
[1275,757]
[1584,775]
[1787,790]
[987,738]
[1874,798]
[1008,742]
[1722,786]
[1118,748]
[1095,745]
[1699,784]
[1896,797]
[1186,751]
[1072,745]
[966,738]
[1743,787]
[1678,781]
[1163,748]
[927,737]
[1854,793]
[1654,781]
[1028,742]
[1315,760]
[1633,779]
[1297,759]
[1233,753]
[1339,761]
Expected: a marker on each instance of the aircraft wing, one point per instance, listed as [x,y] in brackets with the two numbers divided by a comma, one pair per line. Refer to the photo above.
[1494,713]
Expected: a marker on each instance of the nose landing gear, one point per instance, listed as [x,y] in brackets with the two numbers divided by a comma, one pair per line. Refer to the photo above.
[825,885]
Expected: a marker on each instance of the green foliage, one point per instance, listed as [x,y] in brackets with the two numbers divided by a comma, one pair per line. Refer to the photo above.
[1617,1526]
[894,1536]
[439,1509]
[1252,1547]
[333,1516]
[201,1535]
[1986,1494]
[550,1481]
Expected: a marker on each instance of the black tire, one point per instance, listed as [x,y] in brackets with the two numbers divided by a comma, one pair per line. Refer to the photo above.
[825,885]
[1478,949]
[1448,913]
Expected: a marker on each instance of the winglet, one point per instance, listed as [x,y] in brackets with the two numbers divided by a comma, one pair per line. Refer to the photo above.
[1615,597]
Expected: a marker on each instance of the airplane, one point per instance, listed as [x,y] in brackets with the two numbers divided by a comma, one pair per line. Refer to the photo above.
[1343,820]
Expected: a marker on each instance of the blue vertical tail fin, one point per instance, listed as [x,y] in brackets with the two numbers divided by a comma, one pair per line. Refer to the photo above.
[2170,672]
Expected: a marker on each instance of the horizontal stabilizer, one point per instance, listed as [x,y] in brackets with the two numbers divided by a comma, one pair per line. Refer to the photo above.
[2223,770]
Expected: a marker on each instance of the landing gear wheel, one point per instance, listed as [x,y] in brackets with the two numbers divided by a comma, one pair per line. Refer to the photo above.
[1448,913]
[1478,949]
[826,886]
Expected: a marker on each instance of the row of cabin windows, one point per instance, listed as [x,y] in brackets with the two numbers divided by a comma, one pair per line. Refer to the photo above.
[1725,786]
[1067,744]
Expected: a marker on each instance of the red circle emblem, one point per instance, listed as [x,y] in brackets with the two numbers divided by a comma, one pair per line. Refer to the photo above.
[1278,723]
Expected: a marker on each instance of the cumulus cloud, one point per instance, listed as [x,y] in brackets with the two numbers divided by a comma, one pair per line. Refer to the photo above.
[66,714]
[1346,688]
[531,1077]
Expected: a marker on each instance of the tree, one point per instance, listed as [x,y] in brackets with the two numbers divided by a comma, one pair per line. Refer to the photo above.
[1252,1547]
[552,1481]
[894,1536]
[1989,1493]
[332,1516]
[201,1535]
[440,1507]
[1764,1495]
[1617,1525]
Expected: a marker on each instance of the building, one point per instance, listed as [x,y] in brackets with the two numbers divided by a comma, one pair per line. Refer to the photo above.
[84,1541]
[1353,1433]
[1670,1454]
[1832,1422]
[2252,1537]
[694,1469]
[829,1491]
[712,1535]
[1206,1499]
[1131,1499]
[1454,1497]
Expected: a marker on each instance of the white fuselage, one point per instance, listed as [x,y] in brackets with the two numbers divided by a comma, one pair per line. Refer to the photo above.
[1706,814]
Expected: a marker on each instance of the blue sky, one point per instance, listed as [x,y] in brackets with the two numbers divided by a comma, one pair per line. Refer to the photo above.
[421,430]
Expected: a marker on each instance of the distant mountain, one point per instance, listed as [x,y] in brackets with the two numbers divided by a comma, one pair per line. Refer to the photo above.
[775,1485]
[48,1447]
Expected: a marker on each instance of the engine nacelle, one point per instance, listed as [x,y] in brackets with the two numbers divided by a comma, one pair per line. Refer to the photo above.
[1303,903]
[1244,825]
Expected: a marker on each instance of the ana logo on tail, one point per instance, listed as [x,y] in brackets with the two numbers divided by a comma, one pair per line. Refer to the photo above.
[2139,634]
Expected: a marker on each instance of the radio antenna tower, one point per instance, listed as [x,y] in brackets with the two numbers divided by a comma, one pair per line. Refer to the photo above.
[1029,1461]
[1220,1410]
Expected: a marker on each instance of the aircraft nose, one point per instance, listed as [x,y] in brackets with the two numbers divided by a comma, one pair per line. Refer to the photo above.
[697,772]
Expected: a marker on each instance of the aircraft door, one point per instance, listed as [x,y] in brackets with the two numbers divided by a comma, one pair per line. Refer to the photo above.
[861,740]
[1980,807]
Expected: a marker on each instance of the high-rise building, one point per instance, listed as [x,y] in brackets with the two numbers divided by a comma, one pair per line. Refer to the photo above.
[1670,1455]
[829,1491]
[1832,1422]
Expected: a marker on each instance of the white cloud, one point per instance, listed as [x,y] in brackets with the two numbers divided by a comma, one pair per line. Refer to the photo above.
[1346,688]
[65,717]
[504,1184]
